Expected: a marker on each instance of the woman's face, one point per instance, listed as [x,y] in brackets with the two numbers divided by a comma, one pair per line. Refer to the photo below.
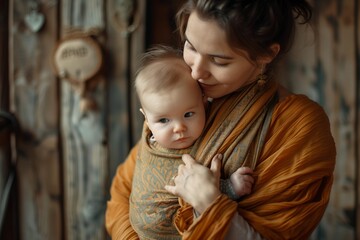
[219,68]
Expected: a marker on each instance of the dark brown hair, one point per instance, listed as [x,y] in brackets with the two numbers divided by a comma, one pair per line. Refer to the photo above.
[252,25]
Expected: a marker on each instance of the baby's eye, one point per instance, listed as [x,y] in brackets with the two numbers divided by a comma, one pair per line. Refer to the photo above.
[189,114]
[163,120]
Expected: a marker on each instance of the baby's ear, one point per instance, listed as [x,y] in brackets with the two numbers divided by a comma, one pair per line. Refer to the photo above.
[143,113]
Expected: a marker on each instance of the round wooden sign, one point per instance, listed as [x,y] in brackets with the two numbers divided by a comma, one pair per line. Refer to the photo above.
[78,58]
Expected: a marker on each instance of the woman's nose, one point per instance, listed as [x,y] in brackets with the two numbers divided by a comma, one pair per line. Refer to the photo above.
[198,69]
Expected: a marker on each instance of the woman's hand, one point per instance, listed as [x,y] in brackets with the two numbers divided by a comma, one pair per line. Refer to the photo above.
[197,184]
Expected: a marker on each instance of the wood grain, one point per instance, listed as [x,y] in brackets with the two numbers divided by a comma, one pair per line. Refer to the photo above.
[357,116]
[83,133]
[34,101]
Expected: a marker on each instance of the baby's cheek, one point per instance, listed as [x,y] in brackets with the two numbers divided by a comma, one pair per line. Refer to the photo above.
[163,137]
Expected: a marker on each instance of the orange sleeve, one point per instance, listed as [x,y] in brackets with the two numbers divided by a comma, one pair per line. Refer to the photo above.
[222,211]
[117,213]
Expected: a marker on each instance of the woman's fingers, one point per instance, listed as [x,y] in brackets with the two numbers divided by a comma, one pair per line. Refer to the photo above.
[188,160]
[197,184]
[215,167]
[181,169]
[171,189]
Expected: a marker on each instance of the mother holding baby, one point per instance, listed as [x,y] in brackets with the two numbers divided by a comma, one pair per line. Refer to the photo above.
[232,47]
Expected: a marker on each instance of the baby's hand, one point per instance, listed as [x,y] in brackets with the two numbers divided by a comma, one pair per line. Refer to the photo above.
[242,181]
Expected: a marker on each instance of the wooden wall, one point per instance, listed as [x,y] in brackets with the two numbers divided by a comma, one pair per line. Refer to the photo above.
[65,159]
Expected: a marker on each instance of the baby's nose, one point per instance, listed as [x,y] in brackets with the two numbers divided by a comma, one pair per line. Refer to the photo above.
[179,127]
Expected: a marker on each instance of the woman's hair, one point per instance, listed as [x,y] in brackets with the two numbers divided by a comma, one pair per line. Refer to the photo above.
[161,69]
[252,25]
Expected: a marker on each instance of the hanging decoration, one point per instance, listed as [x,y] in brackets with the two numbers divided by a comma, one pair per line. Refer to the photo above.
[78,59]
[34,19]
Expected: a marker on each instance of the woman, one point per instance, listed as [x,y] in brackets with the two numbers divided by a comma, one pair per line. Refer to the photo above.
[231,47]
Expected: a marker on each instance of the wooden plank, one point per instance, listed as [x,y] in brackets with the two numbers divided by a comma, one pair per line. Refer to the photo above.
[8,214]
[4,94]
[137,48]
[338,68]
[33,100]
[84,140]
[123,50]
[357,116]
[118,87]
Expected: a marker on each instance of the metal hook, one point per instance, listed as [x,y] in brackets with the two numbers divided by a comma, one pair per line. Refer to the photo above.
[33,6]
[127,16]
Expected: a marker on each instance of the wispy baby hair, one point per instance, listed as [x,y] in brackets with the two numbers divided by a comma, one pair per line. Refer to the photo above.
[161,68]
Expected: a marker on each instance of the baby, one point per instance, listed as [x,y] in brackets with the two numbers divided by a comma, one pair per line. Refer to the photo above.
[174,110]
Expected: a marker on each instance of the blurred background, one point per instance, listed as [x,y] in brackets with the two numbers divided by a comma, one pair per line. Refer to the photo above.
[65,126]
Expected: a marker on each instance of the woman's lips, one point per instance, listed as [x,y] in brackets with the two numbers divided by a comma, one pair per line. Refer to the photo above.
[205,86]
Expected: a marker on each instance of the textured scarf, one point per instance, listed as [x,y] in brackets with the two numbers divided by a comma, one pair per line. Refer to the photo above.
[293,171]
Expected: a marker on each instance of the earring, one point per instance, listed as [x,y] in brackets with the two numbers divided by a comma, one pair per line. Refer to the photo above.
[262,77]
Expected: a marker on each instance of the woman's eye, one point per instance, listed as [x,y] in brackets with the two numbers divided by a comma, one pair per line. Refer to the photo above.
[163,120]
[189,114]
[219,62]
[189,46]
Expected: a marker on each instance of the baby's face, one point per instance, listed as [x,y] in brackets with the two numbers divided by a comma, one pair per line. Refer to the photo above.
[175,118]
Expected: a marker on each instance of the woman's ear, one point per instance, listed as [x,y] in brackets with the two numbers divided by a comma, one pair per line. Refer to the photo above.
[274,49]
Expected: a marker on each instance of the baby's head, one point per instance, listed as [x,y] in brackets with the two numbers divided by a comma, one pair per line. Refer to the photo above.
[171,99]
